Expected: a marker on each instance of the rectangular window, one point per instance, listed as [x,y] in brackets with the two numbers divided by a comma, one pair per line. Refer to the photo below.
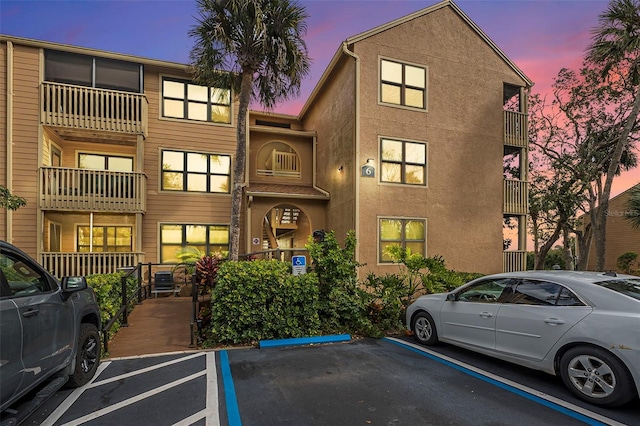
[105,239]
[403,162]
[196,172]
[206,238]
[83,70]
[403,84]
[114,163]
[183,99]
[410,234]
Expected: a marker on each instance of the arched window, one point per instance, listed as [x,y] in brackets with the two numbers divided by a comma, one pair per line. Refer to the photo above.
[278,159]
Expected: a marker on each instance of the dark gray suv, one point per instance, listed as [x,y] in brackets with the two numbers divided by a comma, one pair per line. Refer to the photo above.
[49,331]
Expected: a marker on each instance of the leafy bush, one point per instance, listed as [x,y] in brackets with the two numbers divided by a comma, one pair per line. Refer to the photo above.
[343,304]
[625,261]
[259,300]
[387,302]
[108,289]
[262,300]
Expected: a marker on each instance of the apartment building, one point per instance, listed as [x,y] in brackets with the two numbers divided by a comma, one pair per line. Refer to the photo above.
[621,236]
[405,139]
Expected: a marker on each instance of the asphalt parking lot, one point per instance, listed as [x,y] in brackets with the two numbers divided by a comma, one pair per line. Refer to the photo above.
[361,382]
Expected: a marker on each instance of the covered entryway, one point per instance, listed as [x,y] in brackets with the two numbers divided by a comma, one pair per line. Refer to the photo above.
[283,216]
[285,226]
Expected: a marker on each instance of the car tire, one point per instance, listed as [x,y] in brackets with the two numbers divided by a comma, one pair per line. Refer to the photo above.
[87,356]
[425,329]
[596,376]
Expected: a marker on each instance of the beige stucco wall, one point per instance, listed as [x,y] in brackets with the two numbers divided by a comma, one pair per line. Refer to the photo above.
[462,128]
[332,116]
[620,238]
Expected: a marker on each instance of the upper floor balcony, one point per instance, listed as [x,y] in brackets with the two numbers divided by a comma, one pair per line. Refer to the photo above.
[514,260]
[62,264]
[88,108]
[283,164]
[64,188]
[516,129]
[516,197]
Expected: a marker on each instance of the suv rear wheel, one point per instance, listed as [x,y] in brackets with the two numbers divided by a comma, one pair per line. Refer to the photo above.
[87,357]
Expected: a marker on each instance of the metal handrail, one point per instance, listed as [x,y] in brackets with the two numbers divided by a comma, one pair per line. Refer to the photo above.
[126,302]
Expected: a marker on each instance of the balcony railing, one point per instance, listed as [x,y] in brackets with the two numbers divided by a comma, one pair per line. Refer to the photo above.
[516,197]
[514,260]
[283,164]
[516,129]
[74,264]
[97,190]
[89,108]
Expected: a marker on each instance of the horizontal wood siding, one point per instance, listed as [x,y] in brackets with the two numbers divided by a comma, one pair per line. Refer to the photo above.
[3,133]
[182,135]
[25,146]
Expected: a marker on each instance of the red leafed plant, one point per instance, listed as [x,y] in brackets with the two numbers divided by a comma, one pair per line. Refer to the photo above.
[207,271]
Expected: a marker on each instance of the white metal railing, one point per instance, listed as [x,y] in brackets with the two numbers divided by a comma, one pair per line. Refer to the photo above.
[514,260]
[516,129]
[97,190]
[516,197]
[283,164]
[89,108]
[74,264]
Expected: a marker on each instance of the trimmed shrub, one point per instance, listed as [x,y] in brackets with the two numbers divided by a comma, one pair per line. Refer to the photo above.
[108,289]
[261,300]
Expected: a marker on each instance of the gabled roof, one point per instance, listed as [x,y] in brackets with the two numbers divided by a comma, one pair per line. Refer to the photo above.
[400,21]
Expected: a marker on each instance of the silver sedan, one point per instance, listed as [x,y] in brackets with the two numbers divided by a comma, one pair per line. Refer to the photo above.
[582,326]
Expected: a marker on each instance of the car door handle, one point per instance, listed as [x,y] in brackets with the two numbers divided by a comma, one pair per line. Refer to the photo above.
[554,321]
[486,314]
[30,313]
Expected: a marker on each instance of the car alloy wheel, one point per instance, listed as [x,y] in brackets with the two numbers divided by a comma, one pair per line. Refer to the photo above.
[425,329]
[596,376]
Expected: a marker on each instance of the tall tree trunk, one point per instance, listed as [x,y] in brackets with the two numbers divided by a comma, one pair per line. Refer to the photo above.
[239,163]
[539,265]
[568,255]
[584,245]
[600,226]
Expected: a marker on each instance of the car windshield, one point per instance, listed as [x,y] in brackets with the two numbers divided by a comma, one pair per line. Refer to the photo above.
[629,287]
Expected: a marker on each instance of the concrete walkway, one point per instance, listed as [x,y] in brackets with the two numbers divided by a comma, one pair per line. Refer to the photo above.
[155,326]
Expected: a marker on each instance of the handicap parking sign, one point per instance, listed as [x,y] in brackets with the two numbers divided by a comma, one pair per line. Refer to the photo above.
[299,265]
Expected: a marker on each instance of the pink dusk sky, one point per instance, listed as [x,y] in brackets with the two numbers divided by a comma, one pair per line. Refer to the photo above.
[539,36]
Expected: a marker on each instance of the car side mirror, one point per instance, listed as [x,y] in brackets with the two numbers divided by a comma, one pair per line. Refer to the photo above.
[452,297]
[71,284]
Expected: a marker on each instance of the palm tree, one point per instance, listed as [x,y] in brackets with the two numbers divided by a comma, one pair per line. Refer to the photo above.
[616,49]
[254,47]
[633,207]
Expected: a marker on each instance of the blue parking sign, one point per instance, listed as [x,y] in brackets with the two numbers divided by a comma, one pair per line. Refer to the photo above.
[299,265]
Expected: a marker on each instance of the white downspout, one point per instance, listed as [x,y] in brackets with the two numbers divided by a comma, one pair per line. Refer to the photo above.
[357,150]
[9,159]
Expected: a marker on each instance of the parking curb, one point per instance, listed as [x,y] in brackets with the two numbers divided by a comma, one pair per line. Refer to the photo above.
[297,341]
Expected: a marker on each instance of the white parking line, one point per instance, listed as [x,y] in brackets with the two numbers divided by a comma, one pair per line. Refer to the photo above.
[133,400]
[510,383]
[144,370]
[210,412]
[213,414]
[68,402]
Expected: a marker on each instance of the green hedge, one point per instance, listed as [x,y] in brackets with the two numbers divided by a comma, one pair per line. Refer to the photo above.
[261,300]
[108,289]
